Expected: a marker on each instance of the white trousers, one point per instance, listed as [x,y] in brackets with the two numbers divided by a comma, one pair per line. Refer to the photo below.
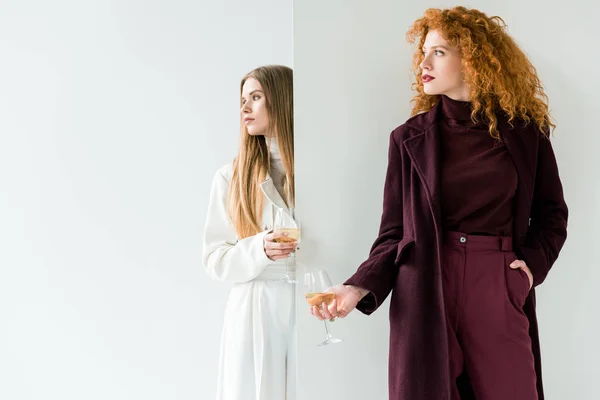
[258,343]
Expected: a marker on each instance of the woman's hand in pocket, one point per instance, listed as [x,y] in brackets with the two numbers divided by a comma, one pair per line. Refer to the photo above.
[522,265]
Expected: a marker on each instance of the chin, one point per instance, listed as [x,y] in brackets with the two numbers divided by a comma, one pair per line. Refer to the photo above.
[430,91]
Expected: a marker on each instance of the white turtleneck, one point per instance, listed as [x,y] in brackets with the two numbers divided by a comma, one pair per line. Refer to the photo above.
[277,170]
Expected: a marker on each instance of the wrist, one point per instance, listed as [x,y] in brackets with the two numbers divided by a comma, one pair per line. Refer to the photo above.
[360,291]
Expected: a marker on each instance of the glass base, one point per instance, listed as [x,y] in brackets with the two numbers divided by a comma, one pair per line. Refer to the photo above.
[330,340]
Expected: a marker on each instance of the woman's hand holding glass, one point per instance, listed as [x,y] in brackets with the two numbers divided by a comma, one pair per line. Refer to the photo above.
[346,299]
[277,247]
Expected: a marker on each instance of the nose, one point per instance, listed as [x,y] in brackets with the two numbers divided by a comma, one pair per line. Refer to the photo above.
[245,107]
[425,64]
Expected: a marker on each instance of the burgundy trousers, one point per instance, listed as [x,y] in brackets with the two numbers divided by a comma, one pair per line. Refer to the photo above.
[488,332]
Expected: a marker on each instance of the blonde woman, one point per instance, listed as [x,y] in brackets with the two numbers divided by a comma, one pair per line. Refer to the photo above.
[257,349]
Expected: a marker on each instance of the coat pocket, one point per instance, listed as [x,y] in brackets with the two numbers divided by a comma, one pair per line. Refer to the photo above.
[403,246]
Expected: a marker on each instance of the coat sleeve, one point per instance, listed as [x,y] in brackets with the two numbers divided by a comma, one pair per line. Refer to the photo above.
[224,257]
[548,225]
[378,273]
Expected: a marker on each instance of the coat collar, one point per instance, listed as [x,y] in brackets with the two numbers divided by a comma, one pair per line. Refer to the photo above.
[424,149]
[271,193]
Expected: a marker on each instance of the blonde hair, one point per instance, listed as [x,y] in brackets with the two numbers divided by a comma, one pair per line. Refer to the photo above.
[499,75]
[250,166]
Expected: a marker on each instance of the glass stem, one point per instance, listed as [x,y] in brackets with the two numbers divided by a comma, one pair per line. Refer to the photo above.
[292,256]
[327,329]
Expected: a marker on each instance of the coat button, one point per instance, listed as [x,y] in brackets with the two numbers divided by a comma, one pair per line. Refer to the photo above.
[462,239]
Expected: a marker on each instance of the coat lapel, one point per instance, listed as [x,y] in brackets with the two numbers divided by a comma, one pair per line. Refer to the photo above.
[271,193]
[424,151]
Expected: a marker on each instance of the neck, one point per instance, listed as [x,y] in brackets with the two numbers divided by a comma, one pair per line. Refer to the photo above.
[273,146]
[458,96]
[456,109]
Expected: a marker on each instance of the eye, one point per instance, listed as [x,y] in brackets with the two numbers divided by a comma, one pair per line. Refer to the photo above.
[439,53]
[256,97]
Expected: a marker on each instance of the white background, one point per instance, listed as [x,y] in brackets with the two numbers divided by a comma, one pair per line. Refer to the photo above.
[352,89]
[114,116]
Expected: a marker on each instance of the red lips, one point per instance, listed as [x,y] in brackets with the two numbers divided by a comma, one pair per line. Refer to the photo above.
[427,78]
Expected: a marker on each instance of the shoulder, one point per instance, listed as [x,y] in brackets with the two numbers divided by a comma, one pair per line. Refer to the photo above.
[225,172]
[222,177]
[527,133]
[414,126]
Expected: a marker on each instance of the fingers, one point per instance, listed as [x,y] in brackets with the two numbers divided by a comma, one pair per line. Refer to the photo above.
[278,251]
[322,313]
[343,304]
[333,309]
[518,264]
[325,311]
[314,310]
[272,244]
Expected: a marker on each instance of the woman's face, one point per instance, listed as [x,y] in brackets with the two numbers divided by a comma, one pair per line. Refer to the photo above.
[442,68]
[254,113]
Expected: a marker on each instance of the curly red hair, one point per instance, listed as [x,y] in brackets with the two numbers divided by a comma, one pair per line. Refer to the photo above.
[499,75]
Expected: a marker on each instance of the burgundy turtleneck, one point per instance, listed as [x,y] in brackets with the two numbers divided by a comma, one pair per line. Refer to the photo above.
[478,179]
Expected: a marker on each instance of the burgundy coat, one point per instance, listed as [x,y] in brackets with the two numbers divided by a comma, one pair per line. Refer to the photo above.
[406,257]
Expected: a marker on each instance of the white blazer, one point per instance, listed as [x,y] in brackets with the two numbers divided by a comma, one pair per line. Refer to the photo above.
[224,255]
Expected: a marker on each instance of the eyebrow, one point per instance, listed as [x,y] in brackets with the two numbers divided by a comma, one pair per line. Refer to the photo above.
[252,92]
[437,46]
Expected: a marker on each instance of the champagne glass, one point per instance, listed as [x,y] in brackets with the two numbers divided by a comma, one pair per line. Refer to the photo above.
[284,222]
[315,284]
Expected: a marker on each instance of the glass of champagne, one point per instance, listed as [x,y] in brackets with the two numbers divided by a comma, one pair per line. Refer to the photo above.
[315,285]
[284,222]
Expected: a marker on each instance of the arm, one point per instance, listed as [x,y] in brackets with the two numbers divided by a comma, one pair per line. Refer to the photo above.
[548,227]
[375,277]
[224,257]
